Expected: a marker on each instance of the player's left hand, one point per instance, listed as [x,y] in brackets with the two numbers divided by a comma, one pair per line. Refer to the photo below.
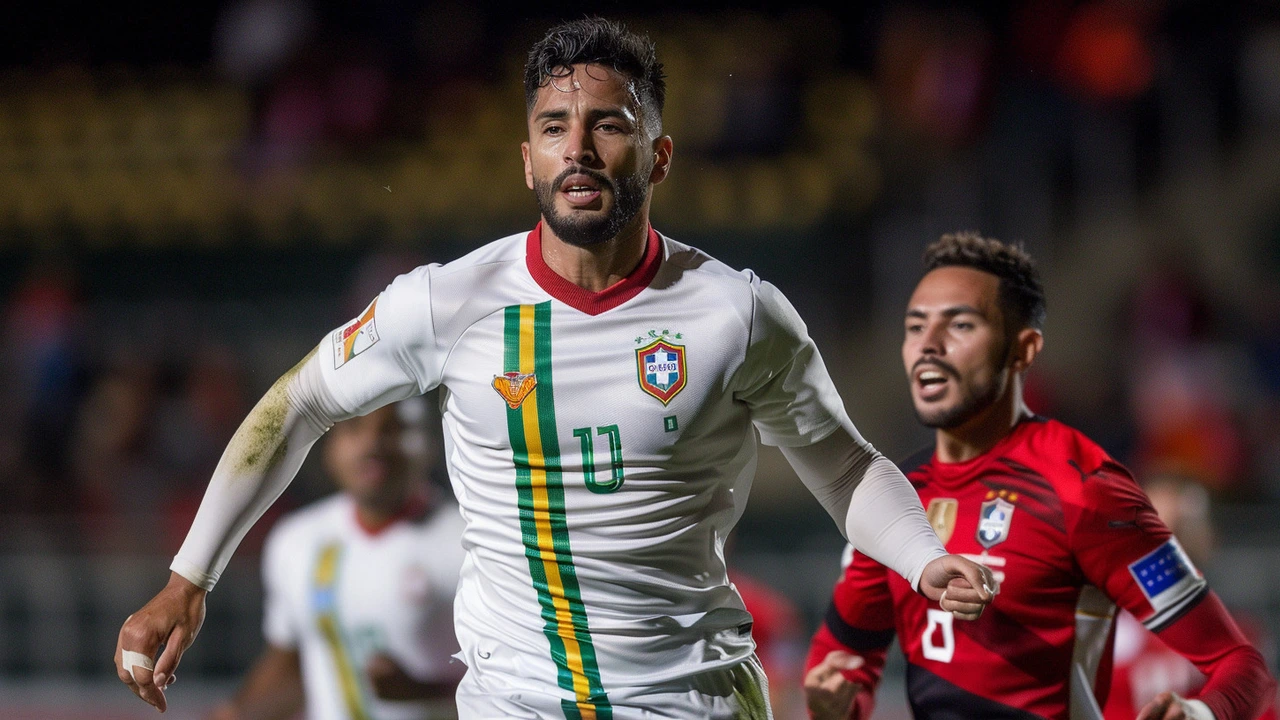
[1172,706]
[960,586]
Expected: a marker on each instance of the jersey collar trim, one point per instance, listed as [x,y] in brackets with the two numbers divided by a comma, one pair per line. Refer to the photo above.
[414,507]
[592,303]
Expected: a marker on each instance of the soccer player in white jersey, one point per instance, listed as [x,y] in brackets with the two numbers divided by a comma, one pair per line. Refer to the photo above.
[601,388]
[360,586]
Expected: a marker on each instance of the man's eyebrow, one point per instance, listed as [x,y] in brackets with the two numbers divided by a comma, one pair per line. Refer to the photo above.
[961,310]
[950,312]
[551,115]
[602,113]
[592,115]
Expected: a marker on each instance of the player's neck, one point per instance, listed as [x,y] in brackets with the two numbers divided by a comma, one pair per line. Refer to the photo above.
[983,431]
[374,517]
[599,266]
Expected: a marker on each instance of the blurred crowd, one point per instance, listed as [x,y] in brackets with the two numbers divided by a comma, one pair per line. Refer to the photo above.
[1129,145]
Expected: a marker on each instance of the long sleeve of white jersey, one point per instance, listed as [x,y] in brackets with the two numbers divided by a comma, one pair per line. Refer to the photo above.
[870,499]
[795,405]
[268,449]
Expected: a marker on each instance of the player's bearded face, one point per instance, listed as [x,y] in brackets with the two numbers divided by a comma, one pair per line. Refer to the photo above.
[589,158]
[626,197]
[955,348]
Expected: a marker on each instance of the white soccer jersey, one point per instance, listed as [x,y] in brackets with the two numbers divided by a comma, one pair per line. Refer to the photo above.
[601,449]
[339,593]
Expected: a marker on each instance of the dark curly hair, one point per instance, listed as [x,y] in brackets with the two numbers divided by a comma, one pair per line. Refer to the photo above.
[609,43]
[1021,294]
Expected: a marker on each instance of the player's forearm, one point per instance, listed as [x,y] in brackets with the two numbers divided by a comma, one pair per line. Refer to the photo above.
[257,465]
[1239,687]
[870,499]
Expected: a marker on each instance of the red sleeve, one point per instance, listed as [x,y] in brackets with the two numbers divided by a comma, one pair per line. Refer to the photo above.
[1123,547]
[859,621]
[1239,686]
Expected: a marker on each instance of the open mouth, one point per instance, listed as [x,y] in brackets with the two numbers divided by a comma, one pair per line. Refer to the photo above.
[932,383]
[580,190]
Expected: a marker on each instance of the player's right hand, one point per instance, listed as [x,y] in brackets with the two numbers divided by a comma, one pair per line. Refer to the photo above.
[172,618]
[828,693]
[959,586]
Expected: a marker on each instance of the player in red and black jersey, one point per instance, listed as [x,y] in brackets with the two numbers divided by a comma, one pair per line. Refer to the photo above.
[1064,526]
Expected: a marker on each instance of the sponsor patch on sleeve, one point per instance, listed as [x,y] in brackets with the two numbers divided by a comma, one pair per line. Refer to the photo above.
[1167,578]
[356,336]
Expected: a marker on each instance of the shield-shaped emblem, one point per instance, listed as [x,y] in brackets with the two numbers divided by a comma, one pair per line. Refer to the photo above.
[993,522]
[661,369]
[942,516]
[514,387]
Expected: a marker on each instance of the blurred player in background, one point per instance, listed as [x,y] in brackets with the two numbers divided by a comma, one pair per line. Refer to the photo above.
[1144,665]
[602,387]
[780,642]
[360,587]
[1066,529]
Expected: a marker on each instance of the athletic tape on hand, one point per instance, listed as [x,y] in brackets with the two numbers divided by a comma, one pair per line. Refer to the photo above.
[130,660]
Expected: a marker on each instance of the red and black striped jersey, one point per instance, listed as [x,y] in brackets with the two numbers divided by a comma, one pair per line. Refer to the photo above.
[1069,535]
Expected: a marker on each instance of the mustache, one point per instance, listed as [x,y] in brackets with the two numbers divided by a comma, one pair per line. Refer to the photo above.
[943,366]
[579,170]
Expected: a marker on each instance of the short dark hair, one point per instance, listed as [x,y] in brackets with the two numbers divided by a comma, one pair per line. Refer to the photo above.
[1021,294]
[609,43]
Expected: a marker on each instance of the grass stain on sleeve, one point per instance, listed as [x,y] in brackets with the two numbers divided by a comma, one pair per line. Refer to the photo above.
[260,442]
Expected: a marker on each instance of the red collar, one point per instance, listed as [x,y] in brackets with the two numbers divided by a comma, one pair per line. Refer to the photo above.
[412,508]
[592,303]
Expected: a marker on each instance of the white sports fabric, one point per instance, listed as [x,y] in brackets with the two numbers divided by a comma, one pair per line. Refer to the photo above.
[338,593]
[600,447]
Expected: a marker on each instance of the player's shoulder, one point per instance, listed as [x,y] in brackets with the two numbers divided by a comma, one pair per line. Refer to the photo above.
[1080,470]
[489,257]
[458,293]
[690,264]
[437,278]
[1059,444]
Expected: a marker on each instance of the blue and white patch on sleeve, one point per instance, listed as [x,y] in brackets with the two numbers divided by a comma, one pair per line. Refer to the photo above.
[1169,580]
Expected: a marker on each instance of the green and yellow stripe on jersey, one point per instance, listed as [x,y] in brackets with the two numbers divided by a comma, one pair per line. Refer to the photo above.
[324,598]
[540,490]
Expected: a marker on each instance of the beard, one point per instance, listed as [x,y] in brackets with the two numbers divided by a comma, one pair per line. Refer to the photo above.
[973,400]
[628,197]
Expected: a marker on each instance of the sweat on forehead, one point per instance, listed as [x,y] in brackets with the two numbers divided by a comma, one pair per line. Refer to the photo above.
[602,83]
[602,43]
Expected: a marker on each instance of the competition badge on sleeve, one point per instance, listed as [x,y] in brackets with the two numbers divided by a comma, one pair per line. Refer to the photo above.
[359,335]
[994,519]
[661,369]
[1168,579]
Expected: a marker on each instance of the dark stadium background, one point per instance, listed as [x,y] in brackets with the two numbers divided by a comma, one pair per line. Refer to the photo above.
[192,194]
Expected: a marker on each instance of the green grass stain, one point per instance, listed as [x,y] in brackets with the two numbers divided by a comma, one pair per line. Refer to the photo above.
[750,694]
[260,443]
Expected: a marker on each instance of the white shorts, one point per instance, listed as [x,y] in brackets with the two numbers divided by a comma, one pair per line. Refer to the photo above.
[739,692]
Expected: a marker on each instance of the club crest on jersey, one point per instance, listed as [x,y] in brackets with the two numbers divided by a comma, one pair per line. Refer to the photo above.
[942,516]
[514,387]
[359,335]
[993,521]
[660,367]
